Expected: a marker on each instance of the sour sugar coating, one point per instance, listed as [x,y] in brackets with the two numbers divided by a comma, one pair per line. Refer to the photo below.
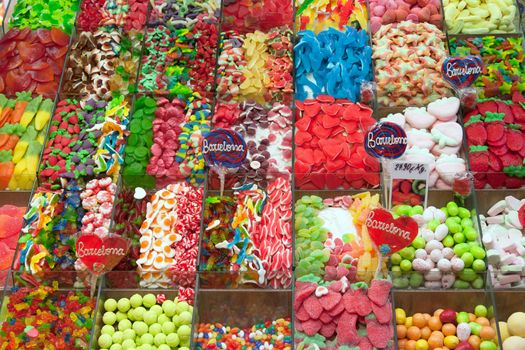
[495,139]
[35,14]
[276,333]
[420,51]
[395,11]
[169,236]
[343,314]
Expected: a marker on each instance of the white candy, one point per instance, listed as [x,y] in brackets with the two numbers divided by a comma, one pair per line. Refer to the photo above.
[433,245]
[448,280]
[494,220]
[513,219]
[497,208]
[448,253]
[436,255]
[432,284]
[493,257]
[457,264]
[421,254]
[433,275]
[513,203]
[441,232]
[444,265]
[463,331]
[420,265]
[440,215]
[428,214]
[427,235]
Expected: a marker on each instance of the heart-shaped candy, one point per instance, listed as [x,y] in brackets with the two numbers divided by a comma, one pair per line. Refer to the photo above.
[101,255]
[390,235]
[461,72]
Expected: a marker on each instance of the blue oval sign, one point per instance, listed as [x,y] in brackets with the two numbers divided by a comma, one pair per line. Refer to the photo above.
[386,140]
[224,147]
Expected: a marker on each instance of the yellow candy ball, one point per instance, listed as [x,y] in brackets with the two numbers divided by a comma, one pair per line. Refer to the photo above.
[421,344]
[400,316]
[451,341]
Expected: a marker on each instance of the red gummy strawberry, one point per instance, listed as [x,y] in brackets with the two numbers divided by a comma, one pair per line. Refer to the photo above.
[311,327]
[475,130]
[510,159]
[514,137]
[480,180]
[347,330]
[479,159]
[517,97]
[513,182]
[383,313]
[377,333]
[301,294]
[379,291]
[504,108]
[495,126]
[487,106]
[518,112]
[495,164]
[330,300]
[496,180]
[361,303]
[313,307]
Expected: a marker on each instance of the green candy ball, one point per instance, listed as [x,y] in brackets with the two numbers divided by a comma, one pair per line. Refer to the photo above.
[169,307]
[182,306]
[110,305]
[108,329]
[186,317]
[123,305]
[149,300]
[116,347]
[124,325]
[163,319]
[136,300]
[155,329]
[157,309]
[140,328]
[146,339]
[128,344]
[128,334]
[168,327]
[160,339]
[109,318]
[480,311]
[163,347]
[138,313]
[150,317]
[172,340]
[184,331]
[105,341]
[118,337]
[121,316]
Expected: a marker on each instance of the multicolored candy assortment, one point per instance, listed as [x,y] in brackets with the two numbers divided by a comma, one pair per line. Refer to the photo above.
[503,59]
[36,14]
[321,15]
[46,318]
[251,233]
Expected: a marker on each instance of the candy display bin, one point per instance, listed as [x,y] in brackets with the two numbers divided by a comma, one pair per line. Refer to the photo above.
[243,309]
[127,300]
[411,322]
[500,213]
[47,311]
[448,252]
[510,303]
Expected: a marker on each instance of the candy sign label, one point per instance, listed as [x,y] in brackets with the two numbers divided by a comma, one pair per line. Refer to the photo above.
[390,235]
[386,140]
[101,255]
[221,147]
[461,72]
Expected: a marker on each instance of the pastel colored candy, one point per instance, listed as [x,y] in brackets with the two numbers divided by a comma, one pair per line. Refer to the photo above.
[480,16]
[419,117]
[445,109]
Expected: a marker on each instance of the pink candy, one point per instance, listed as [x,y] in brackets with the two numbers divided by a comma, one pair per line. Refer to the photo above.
[395,11]
[97,199]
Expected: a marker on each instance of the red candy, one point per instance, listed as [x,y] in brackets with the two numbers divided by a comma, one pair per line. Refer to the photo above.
[495,137]
[32,61]
[329,145]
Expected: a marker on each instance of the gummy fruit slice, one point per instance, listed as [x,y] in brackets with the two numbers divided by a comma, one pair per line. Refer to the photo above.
[59,37]
[44,36]
[30,52]
[43,75]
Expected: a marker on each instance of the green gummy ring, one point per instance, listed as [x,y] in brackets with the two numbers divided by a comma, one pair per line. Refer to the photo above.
[133,140]
[141,152]
[146,124]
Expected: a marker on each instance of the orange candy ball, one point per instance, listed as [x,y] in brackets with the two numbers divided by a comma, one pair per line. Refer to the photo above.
[413,333]
[434,323]
[448,329]
[401,331]
[419,320]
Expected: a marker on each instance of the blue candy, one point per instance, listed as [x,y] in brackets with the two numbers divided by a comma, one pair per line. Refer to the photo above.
[332,63]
